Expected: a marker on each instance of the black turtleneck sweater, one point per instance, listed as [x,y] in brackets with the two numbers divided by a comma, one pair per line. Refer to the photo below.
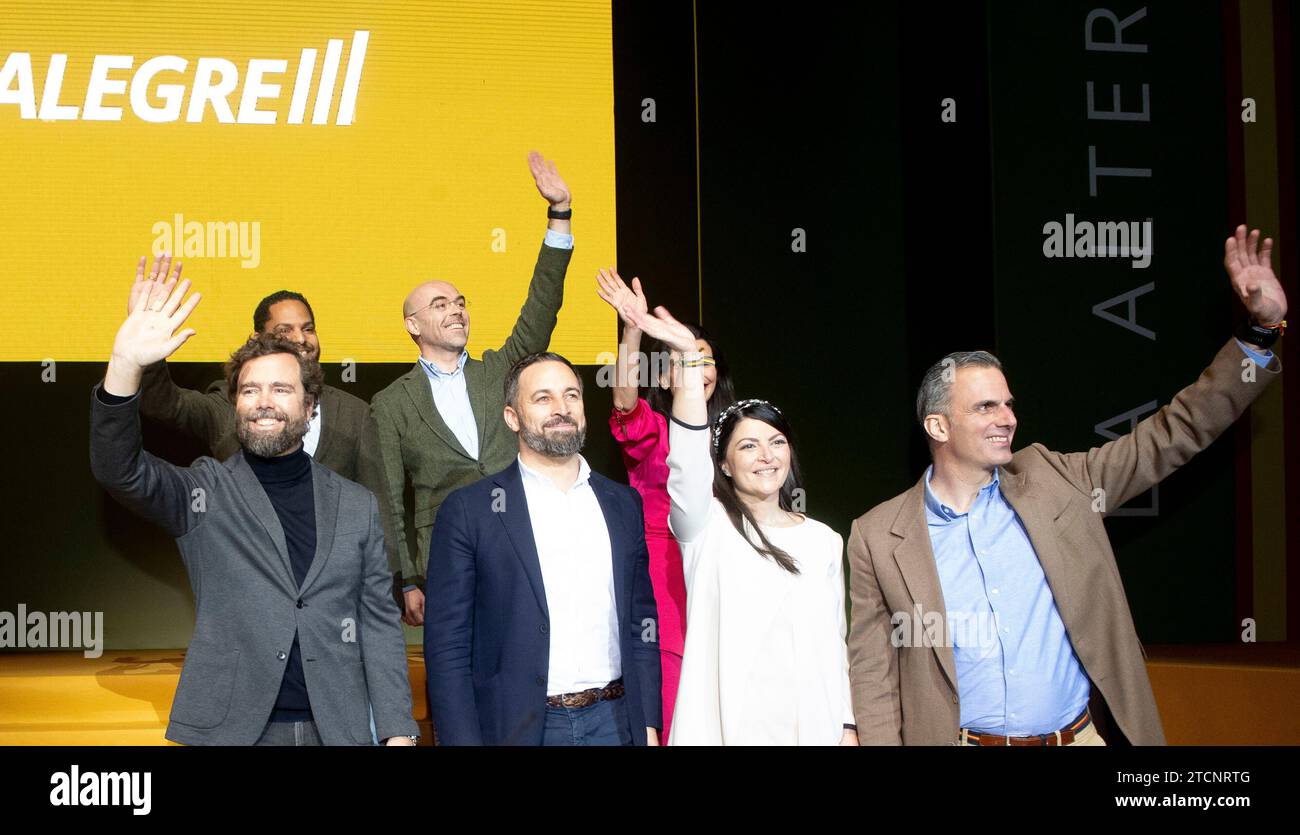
[287,482]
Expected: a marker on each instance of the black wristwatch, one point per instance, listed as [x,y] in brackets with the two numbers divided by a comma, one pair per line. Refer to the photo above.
[564,215]
[1261,336]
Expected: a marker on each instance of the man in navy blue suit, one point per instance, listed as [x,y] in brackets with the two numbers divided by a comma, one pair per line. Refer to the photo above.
[540,625]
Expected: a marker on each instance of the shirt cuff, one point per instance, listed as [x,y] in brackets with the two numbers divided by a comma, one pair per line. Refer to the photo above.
[558,240]
[110,399]
[1262,360]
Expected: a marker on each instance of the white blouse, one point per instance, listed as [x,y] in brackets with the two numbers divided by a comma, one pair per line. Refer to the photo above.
[765,660]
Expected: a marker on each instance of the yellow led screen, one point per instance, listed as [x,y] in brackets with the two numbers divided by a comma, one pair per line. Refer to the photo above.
[345,150]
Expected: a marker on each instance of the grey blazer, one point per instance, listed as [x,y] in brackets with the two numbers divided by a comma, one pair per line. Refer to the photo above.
[247,605]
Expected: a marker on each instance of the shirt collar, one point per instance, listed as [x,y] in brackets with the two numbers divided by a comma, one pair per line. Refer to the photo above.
[947,514]
[584,473]
[434,371]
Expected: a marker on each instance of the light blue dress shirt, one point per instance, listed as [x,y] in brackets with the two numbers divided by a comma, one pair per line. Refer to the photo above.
[1017,673]
[451,399]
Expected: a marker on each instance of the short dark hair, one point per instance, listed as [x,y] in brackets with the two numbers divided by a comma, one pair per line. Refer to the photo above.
[512,377]
[936,385]
[262,314]
[265,344]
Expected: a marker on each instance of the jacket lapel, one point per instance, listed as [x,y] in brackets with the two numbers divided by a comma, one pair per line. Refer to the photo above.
[476,388]
[417,388]
[520,531]
[915,558]
[328,403]
[325,495]
[1039,512]
[260,505]
[618,553]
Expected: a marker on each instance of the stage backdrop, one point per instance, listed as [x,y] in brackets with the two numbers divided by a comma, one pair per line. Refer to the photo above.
[346,150]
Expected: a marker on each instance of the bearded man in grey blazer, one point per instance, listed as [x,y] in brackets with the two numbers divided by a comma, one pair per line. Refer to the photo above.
[296,636]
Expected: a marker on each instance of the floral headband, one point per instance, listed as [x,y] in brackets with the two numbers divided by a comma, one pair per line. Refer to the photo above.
[731,410]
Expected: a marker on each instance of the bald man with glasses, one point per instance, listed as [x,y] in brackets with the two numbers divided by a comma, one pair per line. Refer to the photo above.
[440,424]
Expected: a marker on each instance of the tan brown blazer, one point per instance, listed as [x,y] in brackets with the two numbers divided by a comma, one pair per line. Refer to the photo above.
[908,695]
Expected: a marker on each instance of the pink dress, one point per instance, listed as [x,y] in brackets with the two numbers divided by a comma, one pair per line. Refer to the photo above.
[643,435]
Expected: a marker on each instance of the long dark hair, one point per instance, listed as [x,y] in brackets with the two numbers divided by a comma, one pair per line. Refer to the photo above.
[725,491]
[724,390]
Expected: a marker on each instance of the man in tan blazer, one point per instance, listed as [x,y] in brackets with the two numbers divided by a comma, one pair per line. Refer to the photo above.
[987,605]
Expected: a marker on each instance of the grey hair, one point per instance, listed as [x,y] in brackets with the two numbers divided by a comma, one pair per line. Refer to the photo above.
[936,385]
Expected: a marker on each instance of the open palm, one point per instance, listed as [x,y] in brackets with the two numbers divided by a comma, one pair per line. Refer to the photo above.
[1250,267]
[628,302]
[549,182]
[662,326]
[150,333]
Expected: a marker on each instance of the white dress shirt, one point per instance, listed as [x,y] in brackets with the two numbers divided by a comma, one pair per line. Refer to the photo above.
[312,438]
[578,574]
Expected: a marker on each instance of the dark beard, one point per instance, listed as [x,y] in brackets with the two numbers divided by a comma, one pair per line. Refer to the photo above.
[270,446]
[554,446]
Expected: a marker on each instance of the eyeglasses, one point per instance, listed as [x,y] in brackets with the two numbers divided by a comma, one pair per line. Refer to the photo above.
[441,305]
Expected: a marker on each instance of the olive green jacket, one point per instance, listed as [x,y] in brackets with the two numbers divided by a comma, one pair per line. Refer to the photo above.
[415,442]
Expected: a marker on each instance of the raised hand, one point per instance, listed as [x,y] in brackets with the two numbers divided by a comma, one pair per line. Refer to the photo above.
[149,333]
[549,182]
[1250,266]
[610,287]
[157,273]
[662,326]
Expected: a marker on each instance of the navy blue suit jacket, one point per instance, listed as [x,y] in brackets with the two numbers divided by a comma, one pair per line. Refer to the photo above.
[487,626]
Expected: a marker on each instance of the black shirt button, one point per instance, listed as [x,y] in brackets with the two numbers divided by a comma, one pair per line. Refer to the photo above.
[299,604]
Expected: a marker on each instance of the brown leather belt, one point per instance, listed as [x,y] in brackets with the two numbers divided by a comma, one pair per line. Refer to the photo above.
[587,698]
[1065,736]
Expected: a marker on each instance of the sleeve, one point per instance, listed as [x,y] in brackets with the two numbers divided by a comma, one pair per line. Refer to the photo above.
[383,647]
[207,416]
[637,432]
[393,486]
[690,481]
[1131,465]
[838,589]
[532,330]
[873,660]
[645,623]
[449,626]
[370,474]
[171,497]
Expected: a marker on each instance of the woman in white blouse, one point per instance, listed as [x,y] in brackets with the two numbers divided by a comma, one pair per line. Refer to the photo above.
[765,661]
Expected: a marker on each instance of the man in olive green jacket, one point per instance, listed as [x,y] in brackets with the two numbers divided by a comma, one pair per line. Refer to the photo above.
[441,422]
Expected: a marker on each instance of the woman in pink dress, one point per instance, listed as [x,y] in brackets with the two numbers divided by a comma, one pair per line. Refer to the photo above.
[640,426]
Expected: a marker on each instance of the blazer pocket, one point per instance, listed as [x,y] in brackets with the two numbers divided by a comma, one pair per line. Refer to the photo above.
[206,687]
